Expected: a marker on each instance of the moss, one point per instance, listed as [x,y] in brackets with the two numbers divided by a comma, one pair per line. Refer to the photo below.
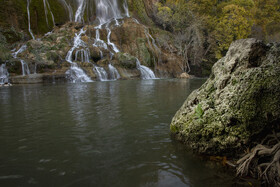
[144,53]
[219,121]
[139,11]
[126,60]
[53,56]
[174,129]
[199,112]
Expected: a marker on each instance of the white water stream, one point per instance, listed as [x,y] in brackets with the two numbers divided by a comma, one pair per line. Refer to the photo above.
[80,11]
[4,75]
[113,73]
[29,25]
[108,13]
[146,73]
[47,10]
[75,73]
[24,65]
[69,9]
[101,73]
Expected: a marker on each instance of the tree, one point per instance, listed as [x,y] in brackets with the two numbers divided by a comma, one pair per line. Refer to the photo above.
[234,24]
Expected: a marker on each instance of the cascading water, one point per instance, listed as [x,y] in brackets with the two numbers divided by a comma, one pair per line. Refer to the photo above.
[24,65]
[149,36]
[101,73]
[107,13]
[82,55]
[98,42]
[4,75]
[114,47]
[125,6]
[29,25]
[25,68]
[107,10]
[47,9]
[113,73]
[21,49]
[80,11]
[75,73]
[69,9]
[146,73]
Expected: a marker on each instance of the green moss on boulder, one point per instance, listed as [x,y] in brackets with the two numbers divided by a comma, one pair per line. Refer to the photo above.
[240,101]
[125,60]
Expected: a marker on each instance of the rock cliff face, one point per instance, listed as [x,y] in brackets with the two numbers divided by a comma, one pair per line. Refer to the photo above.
[134,41]
[239,104]
[121,40]
[13,13]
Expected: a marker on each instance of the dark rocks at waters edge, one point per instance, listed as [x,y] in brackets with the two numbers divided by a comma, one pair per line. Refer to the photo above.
[238,105]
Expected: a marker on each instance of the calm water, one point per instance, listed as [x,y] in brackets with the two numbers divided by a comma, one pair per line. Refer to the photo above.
[97,134]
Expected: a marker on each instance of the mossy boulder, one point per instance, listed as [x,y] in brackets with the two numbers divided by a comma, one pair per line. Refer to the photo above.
[125,60]
[143,53]
[238,105]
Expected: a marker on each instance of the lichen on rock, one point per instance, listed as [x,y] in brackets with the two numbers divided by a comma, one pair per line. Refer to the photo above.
[238,104]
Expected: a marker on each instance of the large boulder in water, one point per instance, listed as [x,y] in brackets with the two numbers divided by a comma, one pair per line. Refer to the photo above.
[238,105]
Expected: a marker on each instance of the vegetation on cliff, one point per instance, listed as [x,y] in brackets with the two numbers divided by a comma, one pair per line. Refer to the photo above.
[206,28]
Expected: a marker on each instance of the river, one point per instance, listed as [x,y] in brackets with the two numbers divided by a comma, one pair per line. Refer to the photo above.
[98,134]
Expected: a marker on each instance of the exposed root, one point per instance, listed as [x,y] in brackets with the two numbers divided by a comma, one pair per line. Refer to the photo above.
[263,161]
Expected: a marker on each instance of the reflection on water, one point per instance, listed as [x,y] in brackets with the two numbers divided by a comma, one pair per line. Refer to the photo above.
[96,134]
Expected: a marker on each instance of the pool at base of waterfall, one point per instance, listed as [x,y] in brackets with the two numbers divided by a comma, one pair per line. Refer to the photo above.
[99,134]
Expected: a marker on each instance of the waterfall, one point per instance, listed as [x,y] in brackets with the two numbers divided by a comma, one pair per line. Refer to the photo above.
[115,49]
[35,68]
[146,73]
[51,12]
[21,49]
[149,36]
[107,10]
[98,42]
[4,74]
[82,55]
[46,12]
[28,14]
[69,9]
[75,73]
[125,6]
[47,9]
[101,73]
[80,11]
[113,72]
[25,68]
[24,65]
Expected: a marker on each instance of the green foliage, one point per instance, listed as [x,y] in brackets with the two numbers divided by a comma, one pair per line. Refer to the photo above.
[210,26]
[139,10]
[199,112]
[234,24]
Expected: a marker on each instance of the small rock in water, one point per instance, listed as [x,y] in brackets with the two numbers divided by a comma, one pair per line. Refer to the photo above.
[185,76]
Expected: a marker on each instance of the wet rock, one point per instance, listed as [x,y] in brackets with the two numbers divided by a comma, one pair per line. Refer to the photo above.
[126,60]
[95,53]
[238,104]
[184,76]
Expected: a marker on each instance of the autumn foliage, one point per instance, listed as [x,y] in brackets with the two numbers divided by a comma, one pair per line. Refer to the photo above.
[207,27]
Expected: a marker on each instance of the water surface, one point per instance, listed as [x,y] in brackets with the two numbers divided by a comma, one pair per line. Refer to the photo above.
[97,134]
